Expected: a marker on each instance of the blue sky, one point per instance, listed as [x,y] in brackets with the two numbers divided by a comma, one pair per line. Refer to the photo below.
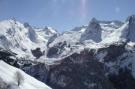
[65,14]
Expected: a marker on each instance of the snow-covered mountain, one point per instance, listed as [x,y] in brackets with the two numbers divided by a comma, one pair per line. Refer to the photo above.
[93,31]
[22,38]
[107,44]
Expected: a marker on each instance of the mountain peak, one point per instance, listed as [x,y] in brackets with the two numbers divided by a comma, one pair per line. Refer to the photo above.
[94,24]
[130,18]
[131,28]
[94,20]
[93,31]
[49,30]
[26,25]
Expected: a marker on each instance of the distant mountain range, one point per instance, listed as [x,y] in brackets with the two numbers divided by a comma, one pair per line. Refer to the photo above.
[100,55]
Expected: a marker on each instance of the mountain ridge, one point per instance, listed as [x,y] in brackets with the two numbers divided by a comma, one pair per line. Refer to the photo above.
[54,57]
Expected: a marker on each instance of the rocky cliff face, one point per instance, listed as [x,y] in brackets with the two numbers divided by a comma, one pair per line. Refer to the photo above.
[31,33]
[93,31]
[131,28]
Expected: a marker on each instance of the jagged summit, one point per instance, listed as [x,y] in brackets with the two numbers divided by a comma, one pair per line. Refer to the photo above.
[93,31]
[131,17]
[93,25]
[49,30]
[131,28]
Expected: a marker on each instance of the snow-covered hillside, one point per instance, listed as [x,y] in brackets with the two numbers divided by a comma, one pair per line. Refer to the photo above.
[46,33]
[8,75]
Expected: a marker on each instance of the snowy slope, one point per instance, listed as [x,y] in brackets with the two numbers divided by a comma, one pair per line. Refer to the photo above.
[68,42]
[116,35]
[124,33]
[109,27]
[46,33]
[7,73]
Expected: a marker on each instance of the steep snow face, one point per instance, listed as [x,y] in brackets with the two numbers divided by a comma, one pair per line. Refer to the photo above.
[109,27]
[93,32]
[125,32]
[8,75]
[20,38]
[117,35]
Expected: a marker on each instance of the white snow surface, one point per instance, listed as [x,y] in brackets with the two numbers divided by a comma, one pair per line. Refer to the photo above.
[7,73]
